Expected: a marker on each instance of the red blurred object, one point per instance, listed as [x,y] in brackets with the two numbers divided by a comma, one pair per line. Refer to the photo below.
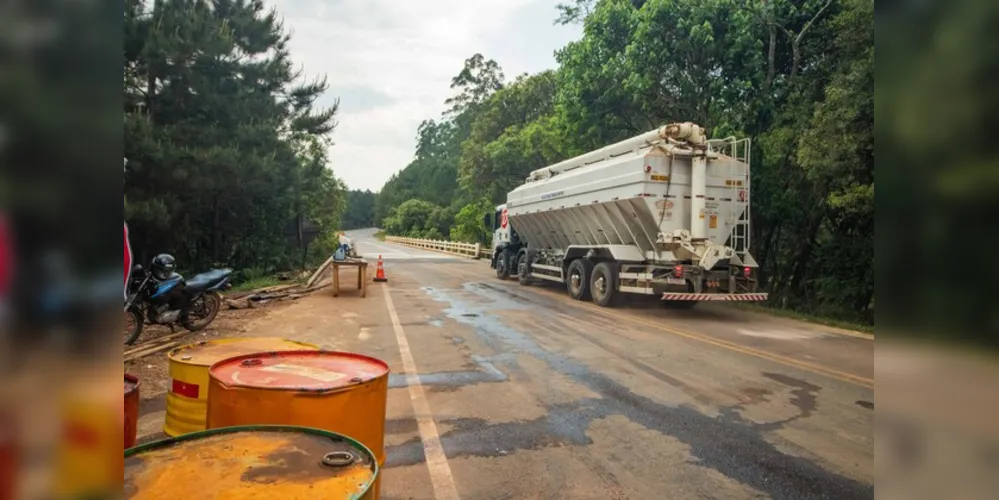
[6,256]
[678,271]
[746,271]
[9,460]
[131,410]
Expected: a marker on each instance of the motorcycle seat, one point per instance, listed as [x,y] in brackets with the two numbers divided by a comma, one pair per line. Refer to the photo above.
[204,281]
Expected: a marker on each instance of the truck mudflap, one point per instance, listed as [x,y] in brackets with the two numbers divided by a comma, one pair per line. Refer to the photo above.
[715,296]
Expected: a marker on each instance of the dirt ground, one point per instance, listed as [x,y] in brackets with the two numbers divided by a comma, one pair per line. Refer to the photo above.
[293,319]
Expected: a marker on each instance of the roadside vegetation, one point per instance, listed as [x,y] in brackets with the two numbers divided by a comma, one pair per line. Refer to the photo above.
[225,142]
[796,77]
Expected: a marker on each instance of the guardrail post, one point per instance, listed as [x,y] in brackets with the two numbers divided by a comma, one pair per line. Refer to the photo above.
[478,251]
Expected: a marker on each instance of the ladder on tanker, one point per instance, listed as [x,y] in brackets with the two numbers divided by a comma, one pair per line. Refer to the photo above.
[737,180]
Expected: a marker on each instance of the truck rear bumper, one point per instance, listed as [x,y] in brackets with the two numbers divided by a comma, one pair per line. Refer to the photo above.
[715,296]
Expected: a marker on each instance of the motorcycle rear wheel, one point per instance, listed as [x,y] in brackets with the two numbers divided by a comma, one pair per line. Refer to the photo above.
[133,326]
[202,312]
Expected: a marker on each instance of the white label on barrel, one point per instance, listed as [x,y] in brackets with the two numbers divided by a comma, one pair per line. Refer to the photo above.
[305,371]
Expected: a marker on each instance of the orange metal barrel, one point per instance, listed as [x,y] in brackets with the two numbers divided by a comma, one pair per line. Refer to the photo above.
[337,391]
[187,399]
[131,409]
[252,462]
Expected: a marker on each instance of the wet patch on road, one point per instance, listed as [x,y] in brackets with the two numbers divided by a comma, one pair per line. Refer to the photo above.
[803,395]
[449,381]
[729,444]
[401,426]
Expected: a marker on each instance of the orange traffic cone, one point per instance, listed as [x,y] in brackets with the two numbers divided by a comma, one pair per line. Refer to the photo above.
[380,271]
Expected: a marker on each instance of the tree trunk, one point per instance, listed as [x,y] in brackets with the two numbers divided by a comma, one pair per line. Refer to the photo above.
[771,51]
[796,41]
[216,232]
[795,58]
[805,253]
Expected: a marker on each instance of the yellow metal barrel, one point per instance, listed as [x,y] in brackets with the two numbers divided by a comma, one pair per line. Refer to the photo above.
[188,393]
[337,391]
[252,462]
[90,437]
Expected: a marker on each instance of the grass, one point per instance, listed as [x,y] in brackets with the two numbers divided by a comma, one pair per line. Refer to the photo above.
[380,235]
[810,318]
[259,282]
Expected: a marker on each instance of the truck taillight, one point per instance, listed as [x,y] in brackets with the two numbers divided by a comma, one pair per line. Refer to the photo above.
[746,271]
[678,271]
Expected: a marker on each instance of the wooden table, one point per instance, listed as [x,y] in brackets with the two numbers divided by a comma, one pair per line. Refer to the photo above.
[362,275]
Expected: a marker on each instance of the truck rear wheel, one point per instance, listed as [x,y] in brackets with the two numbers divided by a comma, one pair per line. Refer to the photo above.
[603,284]
[577,280]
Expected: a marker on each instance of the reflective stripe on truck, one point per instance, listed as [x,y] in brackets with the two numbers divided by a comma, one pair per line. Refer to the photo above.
[715,296]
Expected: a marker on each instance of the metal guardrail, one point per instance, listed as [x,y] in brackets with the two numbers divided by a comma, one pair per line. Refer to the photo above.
[470,250]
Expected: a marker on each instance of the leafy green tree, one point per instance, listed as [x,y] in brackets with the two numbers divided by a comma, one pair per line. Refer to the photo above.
[469,224]
[226,150]
[360,212]
[512,134]
[433,173]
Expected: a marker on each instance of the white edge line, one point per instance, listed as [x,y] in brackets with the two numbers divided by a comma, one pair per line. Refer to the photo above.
[440,471]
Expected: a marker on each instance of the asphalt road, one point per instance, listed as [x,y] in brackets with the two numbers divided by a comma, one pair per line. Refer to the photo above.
[506,391]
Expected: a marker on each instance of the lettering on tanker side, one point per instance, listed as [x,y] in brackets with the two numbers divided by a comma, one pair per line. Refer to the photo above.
[548,196]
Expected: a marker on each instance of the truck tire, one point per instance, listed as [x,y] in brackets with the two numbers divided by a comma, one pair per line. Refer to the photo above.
[577,279]
[603,284]
[524,270]
[503,264]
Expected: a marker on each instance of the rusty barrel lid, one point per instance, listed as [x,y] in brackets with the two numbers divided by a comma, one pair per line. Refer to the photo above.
[257,461]
[131,384]
[208,352]
[298,370]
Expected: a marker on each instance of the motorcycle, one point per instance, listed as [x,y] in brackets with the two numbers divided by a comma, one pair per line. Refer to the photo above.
[169,300]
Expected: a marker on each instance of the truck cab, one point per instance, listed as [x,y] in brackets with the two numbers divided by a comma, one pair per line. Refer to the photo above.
[506,243]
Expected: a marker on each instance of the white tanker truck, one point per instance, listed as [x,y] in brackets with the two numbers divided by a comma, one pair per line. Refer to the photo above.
[664,213]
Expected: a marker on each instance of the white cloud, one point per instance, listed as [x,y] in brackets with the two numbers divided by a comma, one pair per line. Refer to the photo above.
[391,62]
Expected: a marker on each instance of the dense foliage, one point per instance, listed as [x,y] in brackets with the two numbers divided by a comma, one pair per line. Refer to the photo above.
[227,155]
[797,76]
[360,210]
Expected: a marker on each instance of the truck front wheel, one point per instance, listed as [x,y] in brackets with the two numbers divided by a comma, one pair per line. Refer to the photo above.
[603,284]
[524,270]
[503,263]
[577,280]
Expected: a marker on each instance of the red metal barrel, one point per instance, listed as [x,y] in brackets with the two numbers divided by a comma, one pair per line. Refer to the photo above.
[131,409]
[10,460]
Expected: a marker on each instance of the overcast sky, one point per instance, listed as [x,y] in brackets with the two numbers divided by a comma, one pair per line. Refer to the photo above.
[390,62]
